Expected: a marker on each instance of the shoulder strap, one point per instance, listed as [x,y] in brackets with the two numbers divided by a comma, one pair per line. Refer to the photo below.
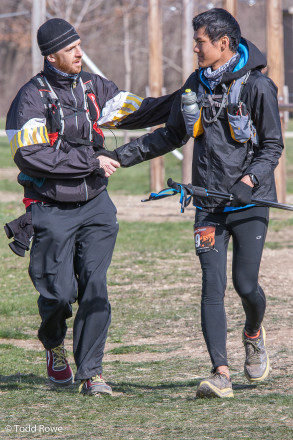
[92,102]
[43,87]
[55,115]
[55,120]
[85,76]
[93,108]
[236,87]
[201,92]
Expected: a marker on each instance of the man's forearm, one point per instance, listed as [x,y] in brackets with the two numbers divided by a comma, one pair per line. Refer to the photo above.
[46,162]
[149,146]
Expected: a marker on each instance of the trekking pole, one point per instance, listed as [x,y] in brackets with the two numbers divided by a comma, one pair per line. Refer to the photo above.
[203,192]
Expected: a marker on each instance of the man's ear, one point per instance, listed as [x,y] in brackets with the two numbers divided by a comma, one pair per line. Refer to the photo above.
[51,58]
[225,43]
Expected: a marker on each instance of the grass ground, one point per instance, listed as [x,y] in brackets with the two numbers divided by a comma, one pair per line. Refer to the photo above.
[155,354]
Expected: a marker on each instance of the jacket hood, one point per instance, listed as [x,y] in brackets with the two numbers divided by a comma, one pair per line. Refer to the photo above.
[251,58]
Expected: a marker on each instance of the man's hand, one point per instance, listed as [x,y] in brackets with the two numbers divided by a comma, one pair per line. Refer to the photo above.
[242,192]
[246,179]
[108,165]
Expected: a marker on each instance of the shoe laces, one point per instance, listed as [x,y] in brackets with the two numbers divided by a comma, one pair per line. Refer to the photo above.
[95,379]
[221,375]
[59,356]
[253,351]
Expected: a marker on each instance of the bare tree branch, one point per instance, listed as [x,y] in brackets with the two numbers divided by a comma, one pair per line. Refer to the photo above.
[68,10]
[82,13]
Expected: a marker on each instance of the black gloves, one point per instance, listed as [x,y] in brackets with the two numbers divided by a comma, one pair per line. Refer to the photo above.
[21,229]
[242,194]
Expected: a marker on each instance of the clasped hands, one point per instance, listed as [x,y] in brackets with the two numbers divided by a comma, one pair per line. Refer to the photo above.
[108,162]
[108,165]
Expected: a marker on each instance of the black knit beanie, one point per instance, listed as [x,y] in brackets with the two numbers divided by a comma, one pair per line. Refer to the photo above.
[55,34]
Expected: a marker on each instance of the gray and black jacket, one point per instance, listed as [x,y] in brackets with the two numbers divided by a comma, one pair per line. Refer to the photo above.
[68,170]
[219,161]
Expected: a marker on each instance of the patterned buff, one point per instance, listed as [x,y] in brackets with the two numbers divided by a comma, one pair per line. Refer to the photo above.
[66,75]
[214,76]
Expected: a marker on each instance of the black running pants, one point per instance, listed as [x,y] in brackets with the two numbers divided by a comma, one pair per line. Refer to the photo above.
[70,255]
[248,229]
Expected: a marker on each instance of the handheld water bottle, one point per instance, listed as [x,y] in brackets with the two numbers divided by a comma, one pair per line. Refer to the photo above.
[190,110]
[189,102]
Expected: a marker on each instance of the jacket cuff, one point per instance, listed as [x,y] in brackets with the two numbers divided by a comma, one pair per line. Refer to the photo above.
[112,154]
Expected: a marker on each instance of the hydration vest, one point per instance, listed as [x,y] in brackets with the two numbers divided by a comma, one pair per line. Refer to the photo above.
[240,123]
[55,115]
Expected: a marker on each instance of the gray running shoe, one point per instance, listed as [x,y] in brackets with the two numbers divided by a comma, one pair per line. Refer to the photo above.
[95,386]
[257,364]
[217,385]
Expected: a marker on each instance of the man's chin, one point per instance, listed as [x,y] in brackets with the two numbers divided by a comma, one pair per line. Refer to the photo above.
[77,69]
[202,64]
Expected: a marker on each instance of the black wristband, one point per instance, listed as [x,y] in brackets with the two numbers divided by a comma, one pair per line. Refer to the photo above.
[253,179]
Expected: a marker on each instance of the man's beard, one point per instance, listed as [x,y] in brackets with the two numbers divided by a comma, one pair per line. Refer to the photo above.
[70,69]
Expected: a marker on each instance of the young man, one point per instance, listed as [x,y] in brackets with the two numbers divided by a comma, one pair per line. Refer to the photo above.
[237,145]
[54,131]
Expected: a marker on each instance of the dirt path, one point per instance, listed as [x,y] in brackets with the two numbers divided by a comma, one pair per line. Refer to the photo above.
[129,208]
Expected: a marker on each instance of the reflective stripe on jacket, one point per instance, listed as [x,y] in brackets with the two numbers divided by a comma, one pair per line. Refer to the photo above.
[70,173]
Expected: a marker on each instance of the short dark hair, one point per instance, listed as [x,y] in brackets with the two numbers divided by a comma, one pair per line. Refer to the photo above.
[217,23]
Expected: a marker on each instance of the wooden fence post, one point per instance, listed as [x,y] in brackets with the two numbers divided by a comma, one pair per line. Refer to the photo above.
[275,56]
[157,171]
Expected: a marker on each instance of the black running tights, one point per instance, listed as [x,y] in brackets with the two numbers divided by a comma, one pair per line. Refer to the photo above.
[248,229]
